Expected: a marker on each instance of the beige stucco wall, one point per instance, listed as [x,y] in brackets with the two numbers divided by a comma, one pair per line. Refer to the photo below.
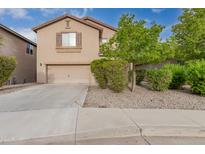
[48,54]
[26,64]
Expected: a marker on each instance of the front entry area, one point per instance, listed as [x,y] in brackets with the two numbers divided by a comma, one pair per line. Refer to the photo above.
[68,74]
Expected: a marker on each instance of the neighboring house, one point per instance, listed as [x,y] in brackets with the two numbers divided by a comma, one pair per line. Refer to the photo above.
[23,50]
[66,47]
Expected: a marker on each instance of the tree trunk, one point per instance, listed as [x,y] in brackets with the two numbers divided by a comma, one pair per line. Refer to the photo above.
[133,77]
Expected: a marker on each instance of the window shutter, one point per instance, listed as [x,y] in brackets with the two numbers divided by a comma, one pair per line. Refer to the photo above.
[58,40]
[79,39]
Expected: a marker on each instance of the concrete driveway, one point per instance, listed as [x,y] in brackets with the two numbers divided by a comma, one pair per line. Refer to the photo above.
[46,113]
[47,96]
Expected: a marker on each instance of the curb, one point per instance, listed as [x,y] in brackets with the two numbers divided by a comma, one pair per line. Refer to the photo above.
[108,133]
[8,87]
[58,140]
[174,131]
[168,131]
[151,131]
[81,100]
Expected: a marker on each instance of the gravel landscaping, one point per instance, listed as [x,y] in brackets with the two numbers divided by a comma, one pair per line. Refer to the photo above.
[142,97]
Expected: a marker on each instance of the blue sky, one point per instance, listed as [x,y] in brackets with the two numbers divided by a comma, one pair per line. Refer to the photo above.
[22,20]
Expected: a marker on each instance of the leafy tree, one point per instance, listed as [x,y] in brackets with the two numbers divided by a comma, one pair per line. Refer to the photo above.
[137,43]
[189,35]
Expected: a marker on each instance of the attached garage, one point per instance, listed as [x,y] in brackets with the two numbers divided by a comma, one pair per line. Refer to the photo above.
[68,74]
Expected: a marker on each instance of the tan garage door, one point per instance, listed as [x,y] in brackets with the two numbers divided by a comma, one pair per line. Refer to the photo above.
[68,74]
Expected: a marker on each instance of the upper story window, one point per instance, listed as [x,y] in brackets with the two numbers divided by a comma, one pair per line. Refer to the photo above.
[69,40]
[29,49]
[104,40]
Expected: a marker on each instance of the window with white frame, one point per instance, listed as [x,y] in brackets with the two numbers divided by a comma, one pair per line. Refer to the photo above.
[69,39]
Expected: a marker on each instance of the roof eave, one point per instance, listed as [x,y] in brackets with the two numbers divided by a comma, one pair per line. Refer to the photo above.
[17,34]
[99,22]
[36,28]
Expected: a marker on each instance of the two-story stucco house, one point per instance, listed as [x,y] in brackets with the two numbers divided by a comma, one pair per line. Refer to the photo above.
[66,47]
[24,50]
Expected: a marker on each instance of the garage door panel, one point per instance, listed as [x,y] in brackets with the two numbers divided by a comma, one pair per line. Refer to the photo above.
[68,74]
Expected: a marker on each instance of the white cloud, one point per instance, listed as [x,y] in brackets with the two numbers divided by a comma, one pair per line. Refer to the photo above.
[15,13]
[47,12]
[157,10]
[56,11]
[80,13]
[27,32]
[148,20]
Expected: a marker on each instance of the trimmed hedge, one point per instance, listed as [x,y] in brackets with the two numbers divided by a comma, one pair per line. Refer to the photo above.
[178,75]
[116,74]
[110,73]
[97,68]
[159,80]
[195,76]
[7,66]
[140,74]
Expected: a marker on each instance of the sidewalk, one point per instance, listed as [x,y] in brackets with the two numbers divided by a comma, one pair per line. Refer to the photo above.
[77,125]
[107,123]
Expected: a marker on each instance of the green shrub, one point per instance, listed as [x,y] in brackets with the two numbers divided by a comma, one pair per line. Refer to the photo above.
[140,74]
[159,80]
[7,66]
[116,74]
[195,75]
[97,68]
[178,75]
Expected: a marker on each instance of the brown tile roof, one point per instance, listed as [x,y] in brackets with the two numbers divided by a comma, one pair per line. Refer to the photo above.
[99,22]
[17,34]
[36,28]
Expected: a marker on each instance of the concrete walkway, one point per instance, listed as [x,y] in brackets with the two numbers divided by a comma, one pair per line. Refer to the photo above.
[81,125]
